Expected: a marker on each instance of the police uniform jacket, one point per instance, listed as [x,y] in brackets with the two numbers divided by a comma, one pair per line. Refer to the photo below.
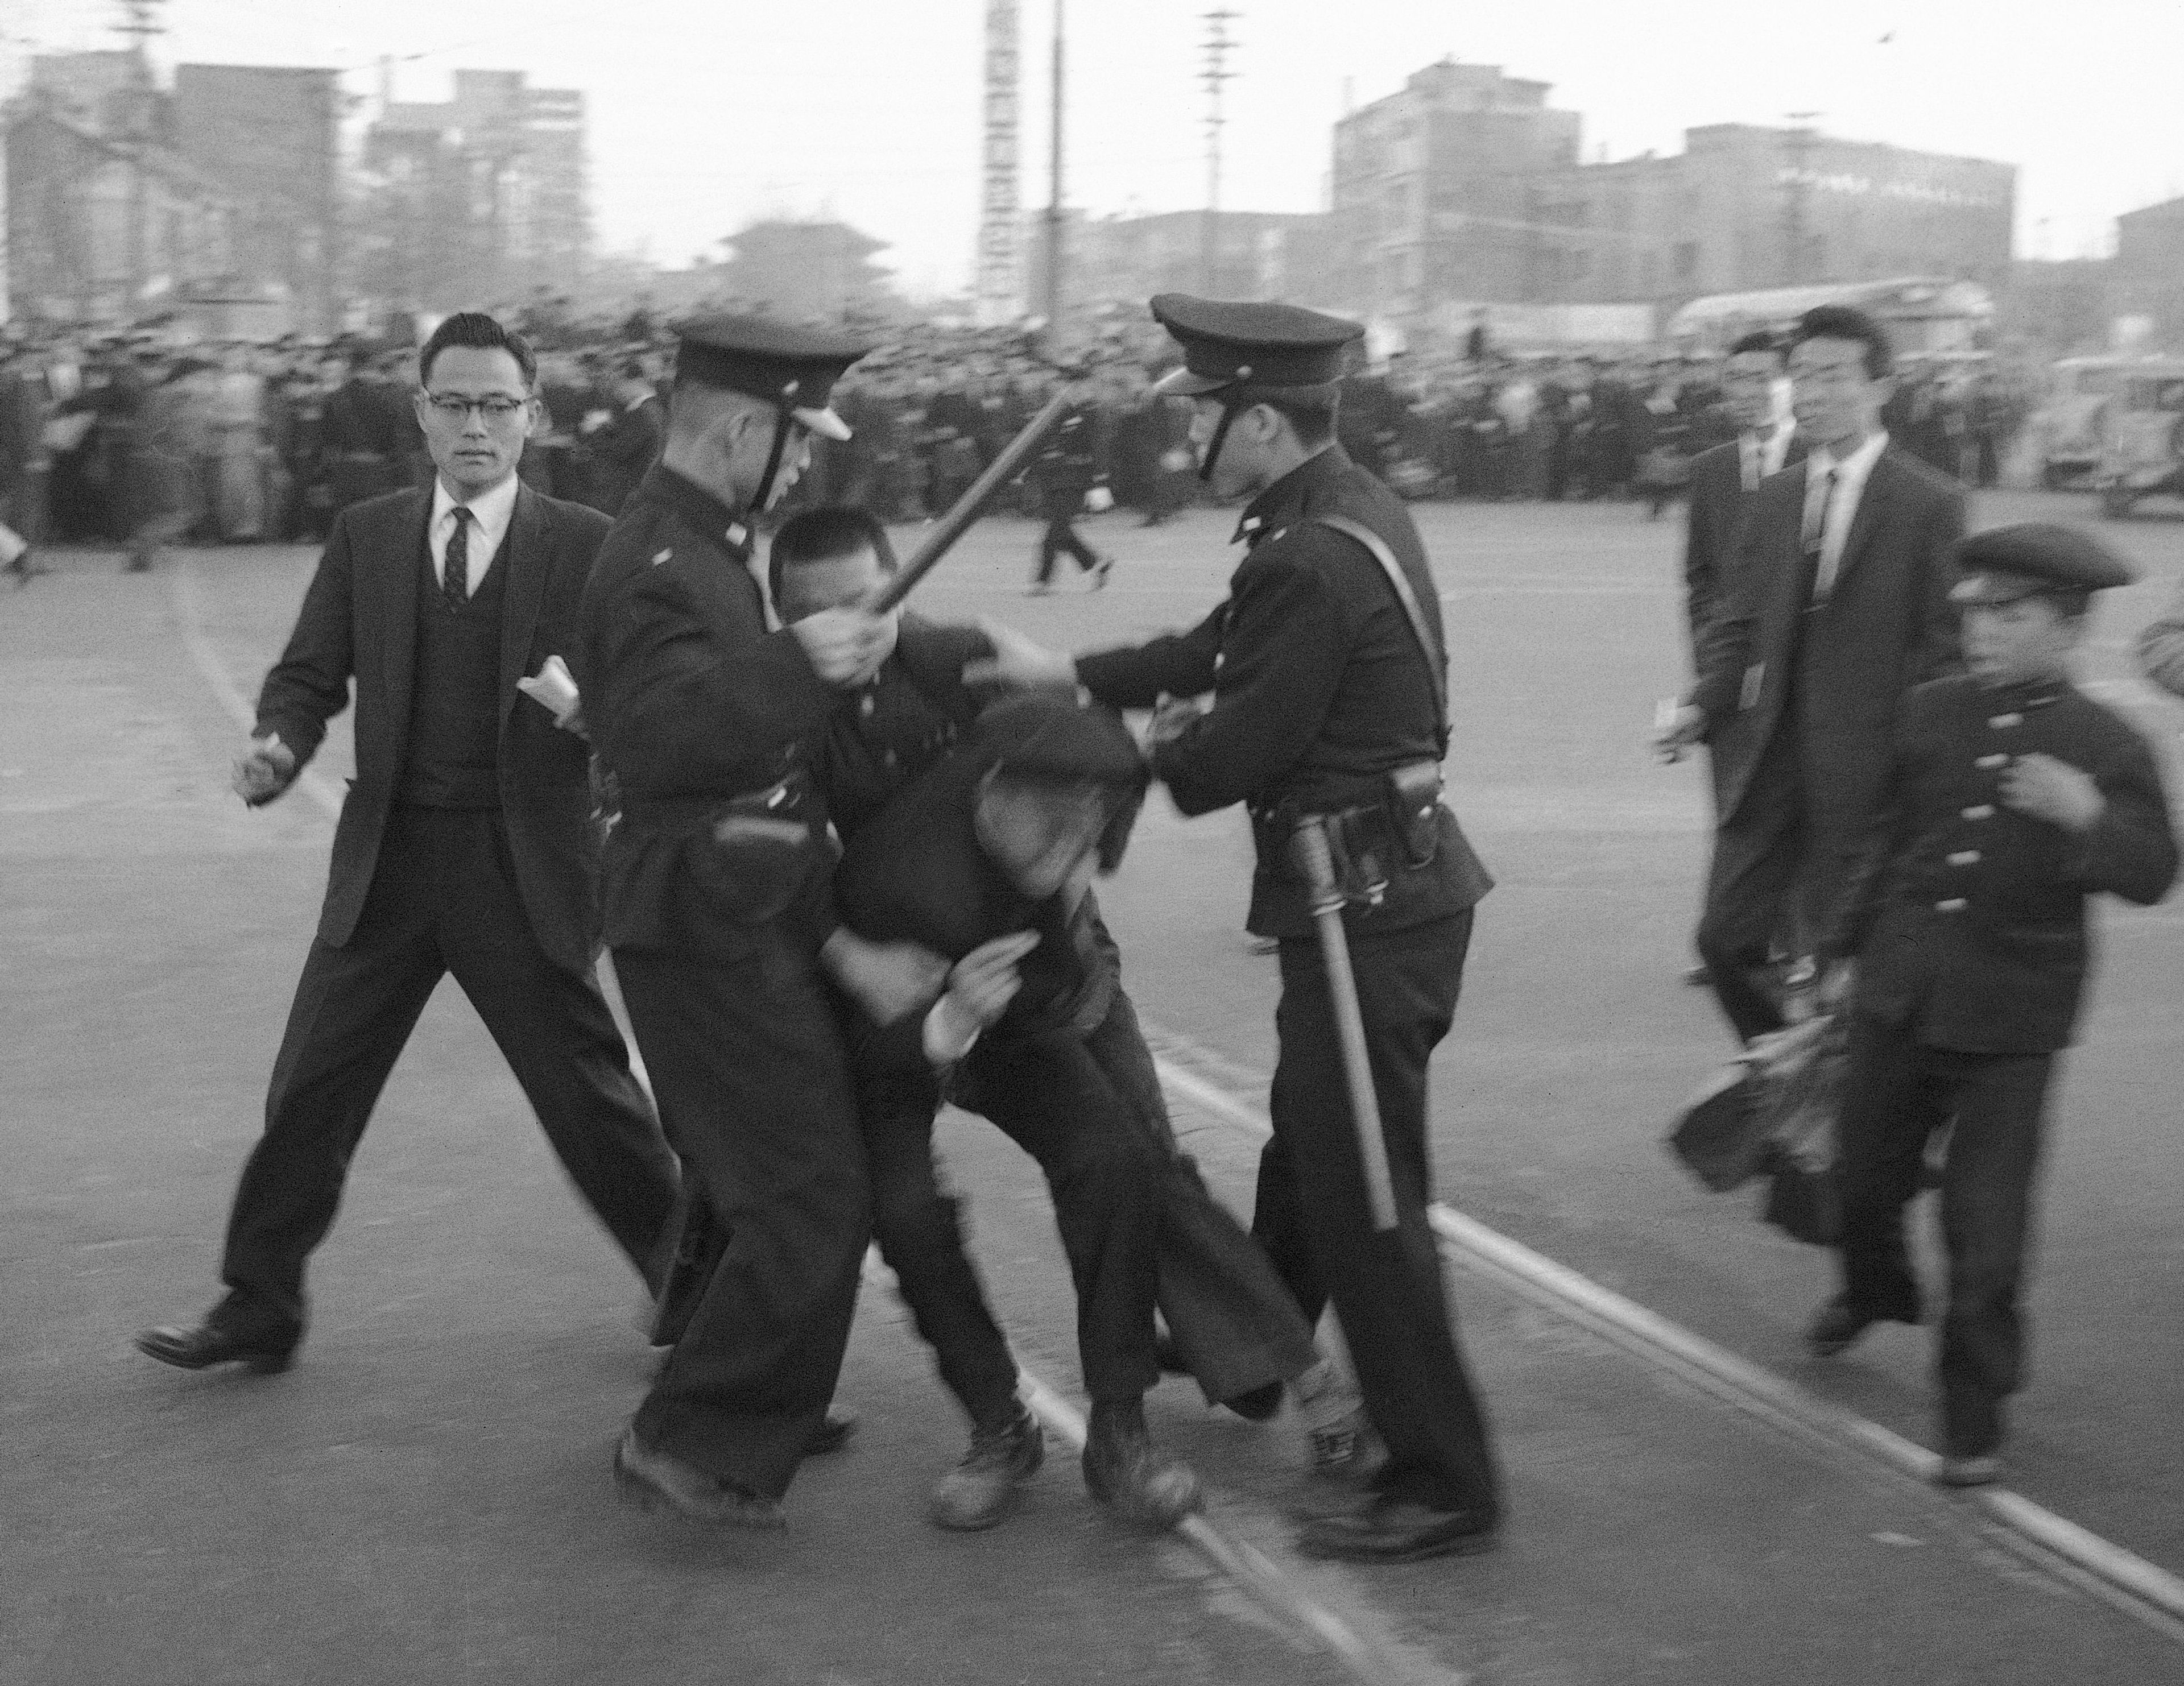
[701,715]
[1968,919]
[1319,690]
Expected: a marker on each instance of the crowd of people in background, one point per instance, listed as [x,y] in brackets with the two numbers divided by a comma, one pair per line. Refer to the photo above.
[136,440]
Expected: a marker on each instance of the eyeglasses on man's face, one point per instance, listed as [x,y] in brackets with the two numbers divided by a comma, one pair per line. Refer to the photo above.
[499,408]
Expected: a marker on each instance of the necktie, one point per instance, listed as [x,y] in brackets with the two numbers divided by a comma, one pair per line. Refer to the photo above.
[455,566]
[1817,506]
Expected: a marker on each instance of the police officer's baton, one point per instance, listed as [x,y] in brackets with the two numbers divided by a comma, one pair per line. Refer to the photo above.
[1312,854]
[971,504]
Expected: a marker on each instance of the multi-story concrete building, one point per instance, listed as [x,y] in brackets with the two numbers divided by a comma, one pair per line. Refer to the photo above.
[480,199]
[2149,271]
[268,137]
[1220,254]
[1438,193]
[1743,207]
[106,222]
[1464,190]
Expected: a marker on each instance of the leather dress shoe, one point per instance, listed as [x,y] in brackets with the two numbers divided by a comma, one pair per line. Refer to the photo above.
[1257,1405]
[655,1481]
[833,1432]
[206,1344]
[1386,1529]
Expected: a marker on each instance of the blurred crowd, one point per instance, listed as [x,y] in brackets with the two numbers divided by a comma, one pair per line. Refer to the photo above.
[136,441]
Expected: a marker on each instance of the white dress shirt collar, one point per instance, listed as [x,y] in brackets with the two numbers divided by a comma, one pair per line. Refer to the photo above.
[1849,485]
[492,511]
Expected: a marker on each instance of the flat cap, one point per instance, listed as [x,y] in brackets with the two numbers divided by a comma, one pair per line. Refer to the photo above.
[2004,564]
[796,368]
[1232,344]
[1040,735]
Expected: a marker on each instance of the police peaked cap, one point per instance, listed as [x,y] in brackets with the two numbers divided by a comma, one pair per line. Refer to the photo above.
[2004,564]
[795,368]
[1240,347]
[1051,736]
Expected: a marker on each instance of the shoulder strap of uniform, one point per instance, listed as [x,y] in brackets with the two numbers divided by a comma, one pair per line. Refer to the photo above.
[1436,662]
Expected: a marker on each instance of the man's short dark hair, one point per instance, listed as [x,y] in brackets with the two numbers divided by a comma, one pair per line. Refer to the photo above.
[827,533]
[1844,322]
[480,332]
[1761,340]
[1312,417]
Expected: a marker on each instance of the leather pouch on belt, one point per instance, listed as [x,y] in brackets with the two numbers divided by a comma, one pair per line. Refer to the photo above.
[751,854]
[1414,808]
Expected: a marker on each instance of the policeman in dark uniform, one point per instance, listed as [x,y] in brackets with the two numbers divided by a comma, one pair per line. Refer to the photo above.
[2013,798]
[1326,677]
[1066,471]
[714,882]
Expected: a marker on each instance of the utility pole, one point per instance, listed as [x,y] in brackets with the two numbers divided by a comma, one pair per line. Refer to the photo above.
[1054,289]
[138,23]
[1218,45]
[1795,234]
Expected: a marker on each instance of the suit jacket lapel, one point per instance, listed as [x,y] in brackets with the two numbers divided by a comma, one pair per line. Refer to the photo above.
[524,550]
[1872,502]
[406,539]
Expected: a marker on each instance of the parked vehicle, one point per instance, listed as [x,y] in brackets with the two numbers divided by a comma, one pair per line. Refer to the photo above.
[2142,436]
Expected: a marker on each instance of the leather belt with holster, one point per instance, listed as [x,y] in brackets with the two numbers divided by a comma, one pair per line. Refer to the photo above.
[1370,841]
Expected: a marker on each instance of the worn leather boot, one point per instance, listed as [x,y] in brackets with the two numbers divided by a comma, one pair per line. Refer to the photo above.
[977,1492]
[1124,1473]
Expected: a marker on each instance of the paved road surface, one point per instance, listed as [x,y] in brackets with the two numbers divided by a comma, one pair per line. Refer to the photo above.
[426,1495]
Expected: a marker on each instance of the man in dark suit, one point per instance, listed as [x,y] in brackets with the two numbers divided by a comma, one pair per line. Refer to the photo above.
[1961,951]
[464,846]
[1723,477]
[625,448]
[1840,605]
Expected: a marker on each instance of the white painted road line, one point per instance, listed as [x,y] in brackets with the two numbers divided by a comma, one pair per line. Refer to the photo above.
[2127,1580]
[189,617]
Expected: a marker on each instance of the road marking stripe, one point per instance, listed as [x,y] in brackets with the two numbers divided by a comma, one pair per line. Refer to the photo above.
[183,589]
[2142,1588]
[1249,1568]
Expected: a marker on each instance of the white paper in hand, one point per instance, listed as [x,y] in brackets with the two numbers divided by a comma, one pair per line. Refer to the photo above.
[553,688]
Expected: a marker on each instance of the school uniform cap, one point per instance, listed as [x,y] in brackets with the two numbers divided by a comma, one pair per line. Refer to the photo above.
[1038,735]
[1236,346]
[793,367]
[2004,564]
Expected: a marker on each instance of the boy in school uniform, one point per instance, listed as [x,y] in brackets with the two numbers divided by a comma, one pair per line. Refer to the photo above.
[1960,950]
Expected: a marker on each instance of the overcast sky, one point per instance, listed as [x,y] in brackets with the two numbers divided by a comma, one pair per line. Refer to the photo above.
[706,114]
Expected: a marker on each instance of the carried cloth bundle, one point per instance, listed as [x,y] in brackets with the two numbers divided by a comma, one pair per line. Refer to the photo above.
[1771,1112]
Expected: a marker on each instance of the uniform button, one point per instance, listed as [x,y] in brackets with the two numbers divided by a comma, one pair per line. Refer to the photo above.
[1989,763]
[1999,722]
[1954,905]
[865,705]
[888,757]
[1980,811]
[1964,857]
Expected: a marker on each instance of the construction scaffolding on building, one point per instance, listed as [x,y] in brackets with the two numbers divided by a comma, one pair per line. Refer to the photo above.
[999,277]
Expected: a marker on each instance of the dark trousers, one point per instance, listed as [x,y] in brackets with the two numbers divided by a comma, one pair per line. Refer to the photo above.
[1779,865]
[442,899]
[1061,509]
[1897,1094]
[751,1076]
[1314,1219]
[1233,1320]
[1050,1094]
